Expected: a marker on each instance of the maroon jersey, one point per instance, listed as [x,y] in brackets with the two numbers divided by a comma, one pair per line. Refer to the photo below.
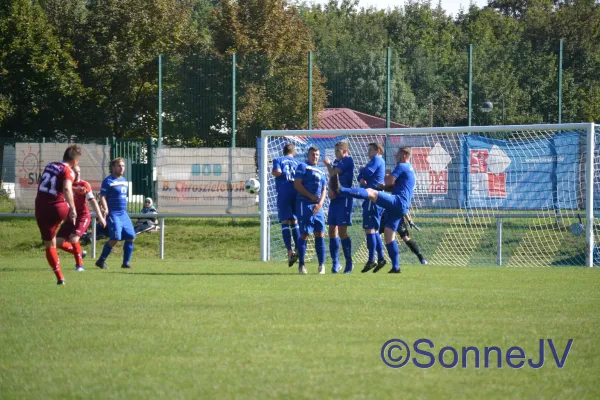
[52,182]
[82,192]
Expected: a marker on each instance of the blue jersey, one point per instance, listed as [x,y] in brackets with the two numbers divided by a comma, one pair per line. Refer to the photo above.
[284,184]
[115,191]
[346,165]
[404,185]
[313,180]
[373,172]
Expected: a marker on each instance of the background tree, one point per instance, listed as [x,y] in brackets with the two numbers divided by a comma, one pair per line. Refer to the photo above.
[40,91]
[271,43]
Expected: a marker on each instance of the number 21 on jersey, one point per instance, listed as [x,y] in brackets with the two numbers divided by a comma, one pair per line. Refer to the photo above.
[48,184]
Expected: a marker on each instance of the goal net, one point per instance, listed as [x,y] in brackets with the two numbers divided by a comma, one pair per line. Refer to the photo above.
[503,195]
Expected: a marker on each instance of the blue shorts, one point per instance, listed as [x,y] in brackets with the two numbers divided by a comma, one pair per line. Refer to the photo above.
[371,215]
[340,212]
[394,211]
[120,227]
[309,223]
[286,206]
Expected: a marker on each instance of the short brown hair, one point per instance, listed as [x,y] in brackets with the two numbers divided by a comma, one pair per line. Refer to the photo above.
[288,149]
[405,150]
[377,146]
[313,148]
[72,152]
[342,145]
[116,160]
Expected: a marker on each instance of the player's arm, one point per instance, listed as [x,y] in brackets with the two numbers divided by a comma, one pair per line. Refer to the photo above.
[98,211]
[68,192]
[276,171]
[102,196]
[319,205]
[332,170]
[365,173]
[410,222]
[103,204]
[388,181]
[302,190]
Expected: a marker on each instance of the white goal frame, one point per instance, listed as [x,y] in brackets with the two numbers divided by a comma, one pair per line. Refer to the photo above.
[589,162]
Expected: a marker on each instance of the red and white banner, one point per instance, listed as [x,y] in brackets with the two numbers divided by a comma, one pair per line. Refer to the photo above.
[431,169]
[487,172]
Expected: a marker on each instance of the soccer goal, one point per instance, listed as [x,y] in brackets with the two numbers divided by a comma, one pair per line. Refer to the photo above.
[517,195]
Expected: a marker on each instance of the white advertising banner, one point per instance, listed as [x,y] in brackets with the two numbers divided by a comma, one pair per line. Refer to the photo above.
[205,180]
[32,158]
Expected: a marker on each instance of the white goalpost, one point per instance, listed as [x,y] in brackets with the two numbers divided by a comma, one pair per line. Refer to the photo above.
[514,195]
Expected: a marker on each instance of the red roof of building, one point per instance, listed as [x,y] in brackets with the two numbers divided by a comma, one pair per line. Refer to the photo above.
[345,118]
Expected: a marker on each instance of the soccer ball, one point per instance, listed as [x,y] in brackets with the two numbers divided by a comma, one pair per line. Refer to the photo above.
[252,186]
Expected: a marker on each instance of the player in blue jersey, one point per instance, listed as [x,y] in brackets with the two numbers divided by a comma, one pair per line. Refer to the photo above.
[371,176]
[284,169]
[339,217]
[311,184]
[401,182]
[113,197]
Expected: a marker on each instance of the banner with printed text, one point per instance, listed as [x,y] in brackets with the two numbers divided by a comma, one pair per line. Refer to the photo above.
[205,180]
[32,158]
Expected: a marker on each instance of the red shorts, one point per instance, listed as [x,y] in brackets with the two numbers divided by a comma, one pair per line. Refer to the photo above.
[81,225]
[49,217]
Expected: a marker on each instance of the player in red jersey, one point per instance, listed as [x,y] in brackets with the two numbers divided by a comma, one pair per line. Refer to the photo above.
[54,202]
[69,234]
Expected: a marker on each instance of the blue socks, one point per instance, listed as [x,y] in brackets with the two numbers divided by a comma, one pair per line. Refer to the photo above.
[301,251]
[347,246]
[106,250]
[357,193]
[334,250]
[287,236]
[295,234]
[320,249]
[393,251]
[379,246]
[127,252]
[371,245]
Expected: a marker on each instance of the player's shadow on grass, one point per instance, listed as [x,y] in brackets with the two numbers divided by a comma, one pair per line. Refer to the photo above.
[205,273]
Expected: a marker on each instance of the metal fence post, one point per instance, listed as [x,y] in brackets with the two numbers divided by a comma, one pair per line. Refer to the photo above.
[94,220]
[161,222]
[470,83]
[499,240]
[310,83]
[388,116]
[160,132]
[560,62]
[233,111]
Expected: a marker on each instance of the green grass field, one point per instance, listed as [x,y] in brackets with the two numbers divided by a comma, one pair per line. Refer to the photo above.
[210,322]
